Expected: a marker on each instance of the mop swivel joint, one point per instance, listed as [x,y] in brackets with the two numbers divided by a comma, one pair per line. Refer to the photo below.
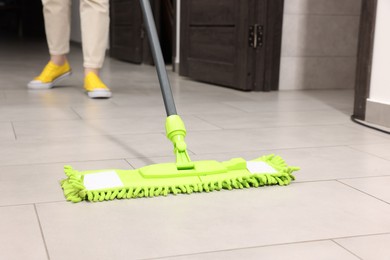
[176,132]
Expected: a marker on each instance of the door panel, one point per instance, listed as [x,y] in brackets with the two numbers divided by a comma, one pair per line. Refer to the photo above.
[215,12]
[216,44]
[125,30]
[209,49]
[128,39]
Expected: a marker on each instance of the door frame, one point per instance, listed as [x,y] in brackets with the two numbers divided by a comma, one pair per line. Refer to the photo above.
[364,57]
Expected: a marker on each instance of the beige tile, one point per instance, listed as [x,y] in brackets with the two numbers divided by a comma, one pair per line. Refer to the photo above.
[38,130]
[41,183]
[367,129]
[374,247]
[20,235]
[101,127]
[277,138]
[289,105]
[31,113]
[380,150]
[299,251]
[6,132]
[210,221]
[142,125]
[57,97]
[334,163]
[275,119]
[87,112]
[377,187]
[83,149]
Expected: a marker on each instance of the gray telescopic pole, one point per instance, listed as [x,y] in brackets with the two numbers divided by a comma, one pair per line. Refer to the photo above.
[158,58]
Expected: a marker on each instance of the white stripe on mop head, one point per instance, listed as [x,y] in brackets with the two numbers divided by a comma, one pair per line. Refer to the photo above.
[259,167]
[102,180]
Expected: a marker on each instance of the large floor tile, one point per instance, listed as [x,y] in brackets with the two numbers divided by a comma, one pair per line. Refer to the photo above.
[20,235]
[329,163]
[115,111]
[150,110]
[368,247]
[41,183]
[308,104]
[95,127]
[54,129]
[380,150]
[67,95]
[275,119]
[299,251]
[136,96]
[31,113]
[83,149]
[369,130]
[377,187]
[277,138]
[188,224]
[6,132]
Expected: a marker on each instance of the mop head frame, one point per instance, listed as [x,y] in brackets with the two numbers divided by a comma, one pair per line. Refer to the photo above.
[184,176]
[164,179]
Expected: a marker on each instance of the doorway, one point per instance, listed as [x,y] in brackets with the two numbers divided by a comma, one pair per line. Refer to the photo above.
[223,42]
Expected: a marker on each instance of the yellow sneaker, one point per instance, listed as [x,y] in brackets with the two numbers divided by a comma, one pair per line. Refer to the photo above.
[95,87]
[50,76]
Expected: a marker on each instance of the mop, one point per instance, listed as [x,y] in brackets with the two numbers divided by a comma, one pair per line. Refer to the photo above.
[182,177]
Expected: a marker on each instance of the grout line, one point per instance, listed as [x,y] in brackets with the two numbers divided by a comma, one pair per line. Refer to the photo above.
[40,228]
[368,194]
[13,129]
[272,150]
[77,114]
[29,204]
[363,177]
[364,152]
[346,249]
[269,245]
[69,162]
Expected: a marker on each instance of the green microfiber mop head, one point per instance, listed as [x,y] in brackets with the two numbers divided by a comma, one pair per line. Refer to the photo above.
[184,176]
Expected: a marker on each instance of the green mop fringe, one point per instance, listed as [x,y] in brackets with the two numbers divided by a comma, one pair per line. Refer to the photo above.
[75,191]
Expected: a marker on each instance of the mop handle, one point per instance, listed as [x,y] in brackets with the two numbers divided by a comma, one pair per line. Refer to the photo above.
[158,58]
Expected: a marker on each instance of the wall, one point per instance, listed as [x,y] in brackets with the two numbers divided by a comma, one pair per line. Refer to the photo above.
[378,104]
[319,44]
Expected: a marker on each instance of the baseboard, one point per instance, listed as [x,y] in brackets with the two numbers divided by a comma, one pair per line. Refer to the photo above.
[378,113]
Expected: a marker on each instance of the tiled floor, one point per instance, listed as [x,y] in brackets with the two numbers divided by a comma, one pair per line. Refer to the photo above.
[338,208]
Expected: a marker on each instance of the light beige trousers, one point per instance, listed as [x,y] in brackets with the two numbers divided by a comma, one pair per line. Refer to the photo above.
[95,21]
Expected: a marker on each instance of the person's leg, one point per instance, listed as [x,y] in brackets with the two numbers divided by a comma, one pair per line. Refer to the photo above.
[57,25]
[94,28]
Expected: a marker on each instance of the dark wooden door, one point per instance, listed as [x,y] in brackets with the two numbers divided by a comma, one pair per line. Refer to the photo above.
[128,37]
[126,30]
[229,42]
